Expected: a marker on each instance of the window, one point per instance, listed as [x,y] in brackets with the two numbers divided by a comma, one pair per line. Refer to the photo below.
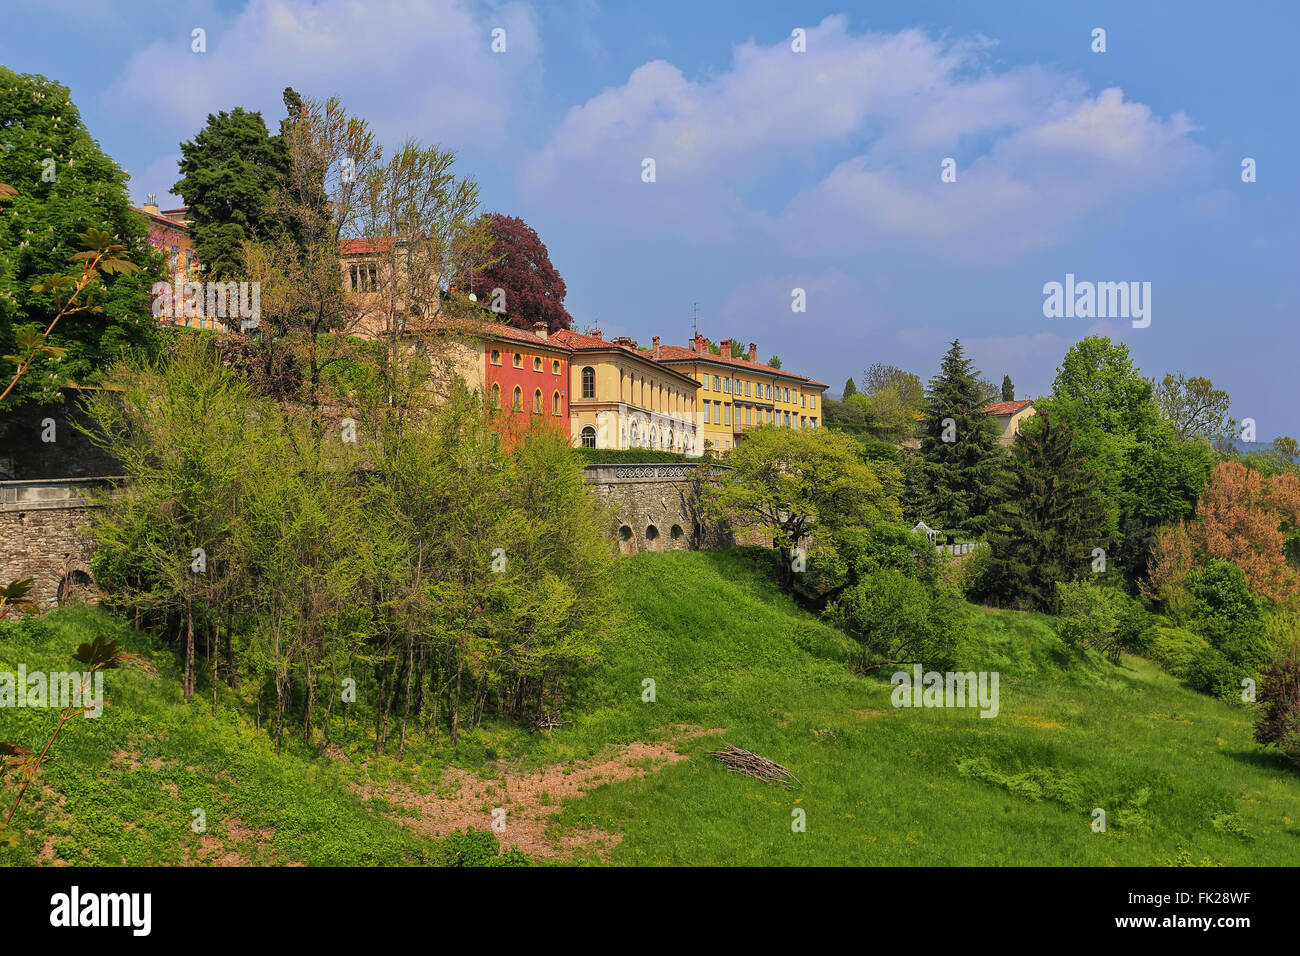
[717,387]
[812,402]
[555,367]
[769,392]
[803,401]
[727,411]
[589,437]
[519,399]
[519,360]
[537,402]
[747,413]
[537,364]
[364,277]
[746,387]
[496,356]
[787,394]
[555,403]
[726,385]
[588,382]
[812,423]
[496,396]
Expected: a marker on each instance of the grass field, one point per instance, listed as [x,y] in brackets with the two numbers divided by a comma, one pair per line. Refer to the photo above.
[1177,773]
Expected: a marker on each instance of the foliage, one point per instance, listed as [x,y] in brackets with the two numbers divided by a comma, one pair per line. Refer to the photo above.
[1231,620]
[229,172]
[1177,649]
[774,361]
[1172,559]
[631,456]
[1194,406]
[83,194]
[1102,618]
[960,458]
[1047,523]
[1279,695]
[1246,518]
[476,848]
[898,619]
[1008,390]
[850,389]
[519,264]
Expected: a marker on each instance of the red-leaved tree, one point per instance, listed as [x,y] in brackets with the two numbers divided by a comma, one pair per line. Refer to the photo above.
[531,290]
[1244,518]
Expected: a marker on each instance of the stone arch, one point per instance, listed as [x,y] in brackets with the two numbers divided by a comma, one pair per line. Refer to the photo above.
[675,535]
[588,437]
[626,542]
[76,587]
[652,542]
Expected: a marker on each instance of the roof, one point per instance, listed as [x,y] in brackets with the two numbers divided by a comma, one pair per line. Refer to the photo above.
[364,247]
[500,330]
[675,353]
[165,220]
[1007,408]
[589,343]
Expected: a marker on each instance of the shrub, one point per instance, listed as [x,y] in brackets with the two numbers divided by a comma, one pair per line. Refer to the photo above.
[1175,649]
[1231,620]
[1103,618]
[1279,693]
[898,619]
[476,848]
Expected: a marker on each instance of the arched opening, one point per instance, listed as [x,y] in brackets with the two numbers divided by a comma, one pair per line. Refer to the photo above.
[676,534]
[589,437]
[588,382]
[652,542]
[697,536]
[555,403]
[537,402]
[625,543]
[496,396]
[75,587]
[519,399]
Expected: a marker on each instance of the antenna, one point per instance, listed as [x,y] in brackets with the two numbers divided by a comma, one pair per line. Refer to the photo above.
[695,320]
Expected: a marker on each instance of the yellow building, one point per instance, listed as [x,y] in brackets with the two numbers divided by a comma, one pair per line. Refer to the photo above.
[736,394]
[620,398]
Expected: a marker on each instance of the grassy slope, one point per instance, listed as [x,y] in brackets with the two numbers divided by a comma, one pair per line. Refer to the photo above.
[1177,772]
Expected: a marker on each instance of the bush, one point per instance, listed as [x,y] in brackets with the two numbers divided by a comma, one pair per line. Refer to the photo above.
[1231,620]
[476,848]
[1103,618]
[897,619]
[1279,693]
[1175,649]
[630,456]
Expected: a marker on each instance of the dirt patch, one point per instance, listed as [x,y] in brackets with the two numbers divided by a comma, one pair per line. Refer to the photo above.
[134,761]
[530,798]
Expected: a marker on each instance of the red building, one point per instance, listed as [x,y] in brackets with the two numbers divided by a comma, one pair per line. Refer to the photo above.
[526,377]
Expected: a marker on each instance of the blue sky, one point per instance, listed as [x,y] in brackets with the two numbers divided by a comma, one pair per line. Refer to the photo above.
[778,170]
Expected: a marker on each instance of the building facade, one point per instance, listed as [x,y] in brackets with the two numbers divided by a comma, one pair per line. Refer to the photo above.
[1009,416]
[737,394]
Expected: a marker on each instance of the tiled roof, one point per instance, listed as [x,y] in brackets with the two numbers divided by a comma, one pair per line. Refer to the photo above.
[589,343]
[1006,408]
[165,220]
[675,353]
[362,247]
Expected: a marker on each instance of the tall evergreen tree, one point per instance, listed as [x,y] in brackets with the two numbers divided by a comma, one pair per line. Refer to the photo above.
[228,175]
[62,185]
[959,447]
[1049,519]
[1008,389]
[850,389]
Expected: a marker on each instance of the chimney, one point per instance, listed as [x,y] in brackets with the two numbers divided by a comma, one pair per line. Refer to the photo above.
[151,204]
[725,345]
[598,334]
[699,343]
[655,351]
[753,351]
[625,341]
[540,329]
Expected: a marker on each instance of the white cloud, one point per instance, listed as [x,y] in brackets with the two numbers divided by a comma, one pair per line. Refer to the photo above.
[418,69]
[1036,153]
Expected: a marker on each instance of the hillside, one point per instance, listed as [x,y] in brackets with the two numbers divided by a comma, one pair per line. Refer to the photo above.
[731,659]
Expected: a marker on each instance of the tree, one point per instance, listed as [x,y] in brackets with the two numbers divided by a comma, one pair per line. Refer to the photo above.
[850,389]
[521,267]
[1194,406]
[1245,519]
[1008,389]
[880,377]
[61,186]
[792,485]
[989,391]
[774,362]
[959,447]
[229,172]
[1047,523]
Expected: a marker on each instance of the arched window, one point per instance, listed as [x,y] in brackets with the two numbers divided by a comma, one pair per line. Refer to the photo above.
[496,356]
[537,402]
[519,360]
[519,399]
[555,403]
[589,437]
[555,366]
[496,395]
[588,382]
[537,364]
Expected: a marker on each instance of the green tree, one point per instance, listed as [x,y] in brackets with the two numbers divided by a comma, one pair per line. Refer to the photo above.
[1008,389]
[63,186]
[959,447]
[774,361]
[799,485]
[1194,406]
[228,173]
[850,389]
[1047,523]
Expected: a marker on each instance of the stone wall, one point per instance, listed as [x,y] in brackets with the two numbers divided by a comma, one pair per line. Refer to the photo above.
[45,534]
[656,507]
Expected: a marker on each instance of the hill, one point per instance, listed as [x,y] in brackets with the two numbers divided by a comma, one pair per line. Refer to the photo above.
[628,781]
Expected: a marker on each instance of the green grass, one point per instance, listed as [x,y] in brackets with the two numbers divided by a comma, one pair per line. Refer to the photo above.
[1177,773]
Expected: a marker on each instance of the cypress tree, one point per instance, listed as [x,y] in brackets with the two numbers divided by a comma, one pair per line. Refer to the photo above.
[1008,389]
[1049,519]
[959,447]
[849,389]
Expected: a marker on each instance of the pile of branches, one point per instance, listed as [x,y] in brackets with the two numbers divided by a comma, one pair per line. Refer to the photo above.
[760,768]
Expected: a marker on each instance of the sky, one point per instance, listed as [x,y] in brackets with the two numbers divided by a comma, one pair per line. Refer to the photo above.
[779,169]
